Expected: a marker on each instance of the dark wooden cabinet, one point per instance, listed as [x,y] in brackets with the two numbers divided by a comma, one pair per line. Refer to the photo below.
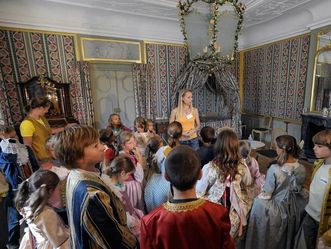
[60,112]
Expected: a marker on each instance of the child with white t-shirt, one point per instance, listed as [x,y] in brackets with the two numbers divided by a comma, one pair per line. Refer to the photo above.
[313,225]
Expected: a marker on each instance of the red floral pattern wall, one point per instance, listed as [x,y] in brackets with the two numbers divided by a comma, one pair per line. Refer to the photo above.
[27,54]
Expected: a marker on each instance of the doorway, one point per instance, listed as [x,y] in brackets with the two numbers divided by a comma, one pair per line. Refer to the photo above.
[112,90]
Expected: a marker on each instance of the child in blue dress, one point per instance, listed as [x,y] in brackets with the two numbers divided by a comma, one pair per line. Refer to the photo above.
[276,212]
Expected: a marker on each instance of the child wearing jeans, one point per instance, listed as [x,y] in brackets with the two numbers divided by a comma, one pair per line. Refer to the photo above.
[186,221]
[315,223]
[96,215]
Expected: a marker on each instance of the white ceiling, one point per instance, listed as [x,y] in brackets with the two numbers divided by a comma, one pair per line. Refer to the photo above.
[157,20]
[258,11]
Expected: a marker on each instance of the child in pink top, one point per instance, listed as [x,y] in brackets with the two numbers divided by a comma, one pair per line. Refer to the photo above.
[253,167]
[115,176]
[134,182]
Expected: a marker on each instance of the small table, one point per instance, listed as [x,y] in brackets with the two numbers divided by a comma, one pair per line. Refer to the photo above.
[255,144]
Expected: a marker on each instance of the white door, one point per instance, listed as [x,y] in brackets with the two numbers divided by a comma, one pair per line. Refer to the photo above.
[112,90]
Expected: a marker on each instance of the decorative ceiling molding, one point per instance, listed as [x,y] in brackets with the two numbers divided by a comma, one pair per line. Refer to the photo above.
[265,20]
[166,10]
[260,11]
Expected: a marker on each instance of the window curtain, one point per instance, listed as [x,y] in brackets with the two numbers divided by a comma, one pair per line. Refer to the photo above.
[81,95]
[5,117]
[143,89]
[227,82]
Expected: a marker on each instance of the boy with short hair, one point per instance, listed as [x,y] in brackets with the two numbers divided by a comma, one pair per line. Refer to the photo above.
[96,215]
[315,225]
[186,221]
[206,150]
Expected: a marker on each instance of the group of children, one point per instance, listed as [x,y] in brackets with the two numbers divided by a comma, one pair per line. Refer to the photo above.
[124,189]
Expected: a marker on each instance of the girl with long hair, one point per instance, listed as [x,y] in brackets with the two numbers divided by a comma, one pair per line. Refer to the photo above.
[253,166]
[226,181]
[276,213]
[157,188]
[32,201]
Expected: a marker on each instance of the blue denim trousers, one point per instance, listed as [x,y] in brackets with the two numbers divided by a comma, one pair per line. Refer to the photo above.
[193,143]
[13,224]
[3,222]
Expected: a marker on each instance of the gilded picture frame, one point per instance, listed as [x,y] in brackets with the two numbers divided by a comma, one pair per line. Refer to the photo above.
[110,50]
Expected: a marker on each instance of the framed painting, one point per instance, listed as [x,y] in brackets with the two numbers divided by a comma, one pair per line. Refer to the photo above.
[95,49]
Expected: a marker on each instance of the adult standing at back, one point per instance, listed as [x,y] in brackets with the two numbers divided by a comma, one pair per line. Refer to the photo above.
[188,116]
[35,128]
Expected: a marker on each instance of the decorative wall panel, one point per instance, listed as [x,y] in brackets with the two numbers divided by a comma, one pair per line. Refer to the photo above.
[275,78]
[166,61]
[27,54]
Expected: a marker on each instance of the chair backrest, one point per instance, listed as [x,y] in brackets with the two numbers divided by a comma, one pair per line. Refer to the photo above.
[276,132]
[267,122]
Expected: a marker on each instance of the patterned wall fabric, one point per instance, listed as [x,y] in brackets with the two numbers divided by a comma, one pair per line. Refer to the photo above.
[143,90]
[27,54]
[166,62]
[275,78]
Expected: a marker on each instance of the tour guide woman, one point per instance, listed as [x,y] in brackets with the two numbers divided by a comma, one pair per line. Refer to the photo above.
[188,116]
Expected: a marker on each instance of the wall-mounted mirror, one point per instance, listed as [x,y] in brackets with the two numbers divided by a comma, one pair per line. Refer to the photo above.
[321,88]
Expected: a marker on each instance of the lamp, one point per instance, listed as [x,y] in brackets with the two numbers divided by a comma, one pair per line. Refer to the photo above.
[211,29]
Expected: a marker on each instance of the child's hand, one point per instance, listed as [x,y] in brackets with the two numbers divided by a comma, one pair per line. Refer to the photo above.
[138,155]
[186,134]
[191,132]
[152,131]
